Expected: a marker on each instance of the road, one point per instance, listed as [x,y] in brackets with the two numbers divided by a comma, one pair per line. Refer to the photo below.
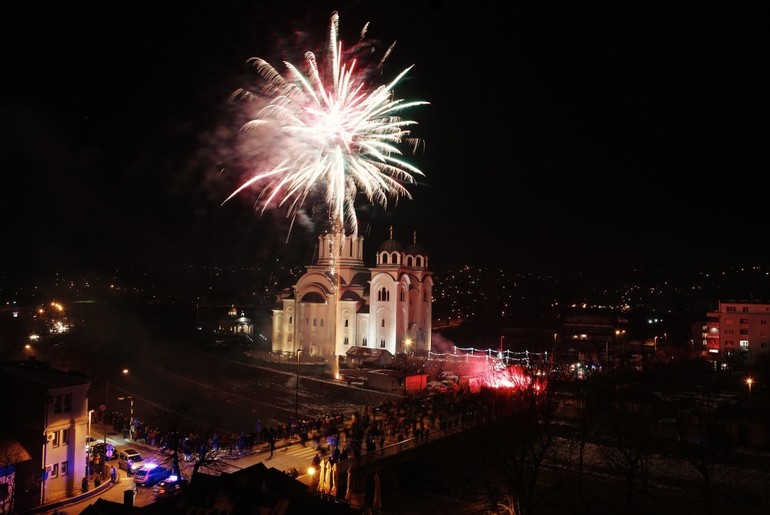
[287,456]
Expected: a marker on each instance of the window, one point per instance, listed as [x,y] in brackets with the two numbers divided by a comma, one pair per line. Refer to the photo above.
[763,322]
[382,342]
[346,322]
[346,342]
[55,441]
[57,403]
[730,309]
[65,436]
[65,466]
[382,324]
[402,296]
[744,320]
[291,320]
[363,342]
[67,403]
[55,470]
[322,322]
[314,322]
[744,344]
[745,309]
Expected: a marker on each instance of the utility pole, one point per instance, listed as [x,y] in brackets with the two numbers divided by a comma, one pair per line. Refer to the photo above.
[296,393]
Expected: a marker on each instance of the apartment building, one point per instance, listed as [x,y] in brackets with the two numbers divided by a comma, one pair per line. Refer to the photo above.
[738,332]
[46,410]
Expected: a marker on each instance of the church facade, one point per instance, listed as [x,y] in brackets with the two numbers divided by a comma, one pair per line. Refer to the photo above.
[340,303]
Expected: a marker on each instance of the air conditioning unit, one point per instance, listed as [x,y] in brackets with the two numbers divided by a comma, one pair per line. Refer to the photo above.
[50,436]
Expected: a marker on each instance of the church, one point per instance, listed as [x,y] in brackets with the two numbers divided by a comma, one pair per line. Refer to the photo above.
[339,303]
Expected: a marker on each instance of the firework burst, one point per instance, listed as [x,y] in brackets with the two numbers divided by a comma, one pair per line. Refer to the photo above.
[340,136]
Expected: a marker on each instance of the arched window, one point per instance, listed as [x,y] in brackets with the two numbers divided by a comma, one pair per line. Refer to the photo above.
[382,342]
[409,261]
[363,342]
[346,342]
[346,322]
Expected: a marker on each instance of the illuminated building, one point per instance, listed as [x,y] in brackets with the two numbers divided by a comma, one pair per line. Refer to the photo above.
[340,303]
[738,332]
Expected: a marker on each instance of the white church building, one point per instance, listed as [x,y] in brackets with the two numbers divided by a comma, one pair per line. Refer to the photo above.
[339,303]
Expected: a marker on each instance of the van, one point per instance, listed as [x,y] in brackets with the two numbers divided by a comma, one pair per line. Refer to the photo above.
[130,460]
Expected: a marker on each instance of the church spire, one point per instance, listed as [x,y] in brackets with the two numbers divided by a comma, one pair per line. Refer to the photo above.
[391,232]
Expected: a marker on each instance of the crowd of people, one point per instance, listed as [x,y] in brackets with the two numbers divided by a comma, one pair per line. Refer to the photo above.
[341,436]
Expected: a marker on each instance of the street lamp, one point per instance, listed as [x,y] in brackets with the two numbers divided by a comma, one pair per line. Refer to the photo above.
[88,442]
[749,383]
[296,393]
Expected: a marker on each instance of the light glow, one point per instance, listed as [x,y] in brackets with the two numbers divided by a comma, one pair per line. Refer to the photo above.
[329,131]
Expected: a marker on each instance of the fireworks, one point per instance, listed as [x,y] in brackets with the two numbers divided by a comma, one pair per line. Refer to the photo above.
[338,135]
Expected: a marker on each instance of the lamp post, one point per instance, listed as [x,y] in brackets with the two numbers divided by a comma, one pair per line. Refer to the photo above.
[90,412]
[749,383]
[88,442]
[296,393]
[103,407]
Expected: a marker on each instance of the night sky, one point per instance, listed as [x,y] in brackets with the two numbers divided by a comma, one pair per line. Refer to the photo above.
[557,137]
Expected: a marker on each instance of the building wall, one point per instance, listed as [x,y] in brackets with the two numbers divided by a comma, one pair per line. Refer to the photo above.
[738,331]
[385,306]
[47,412]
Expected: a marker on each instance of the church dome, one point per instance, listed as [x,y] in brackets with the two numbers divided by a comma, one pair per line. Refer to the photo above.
[390,245]
[414,249]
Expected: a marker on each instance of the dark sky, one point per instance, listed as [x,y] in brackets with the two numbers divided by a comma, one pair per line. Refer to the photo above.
[557,136]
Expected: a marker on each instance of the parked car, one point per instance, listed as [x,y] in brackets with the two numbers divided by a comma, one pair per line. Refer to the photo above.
[130,460]
[170,486]
[106,451]
[150,474]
